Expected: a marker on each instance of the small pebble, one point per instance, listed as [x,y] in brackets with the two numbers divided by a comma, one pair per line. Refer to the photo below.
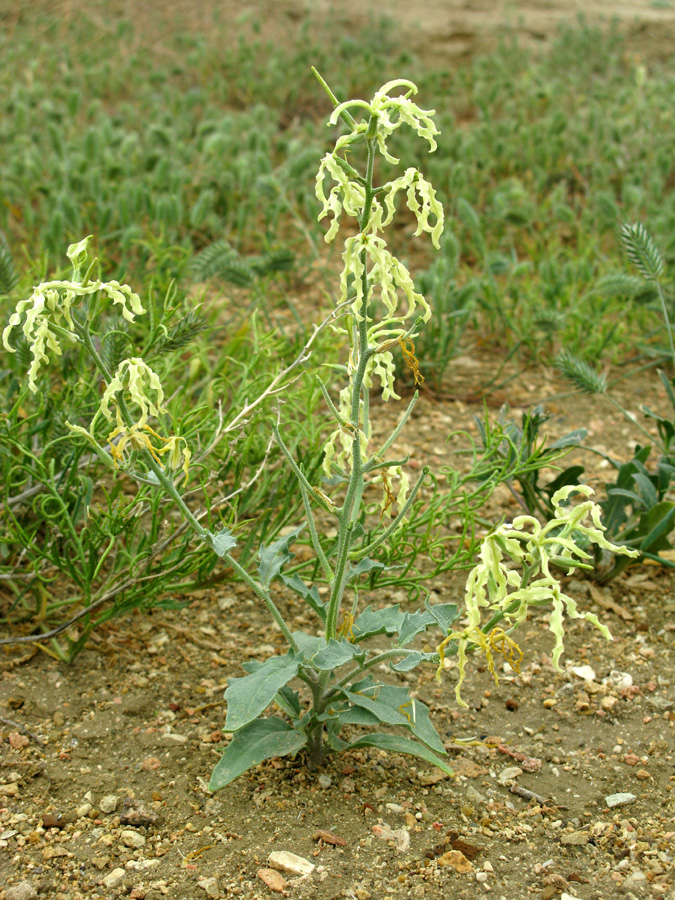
[508,774]
[619,679]
[132,839]
[635,881]
[108,804]
[210,885]
[619,800]
[481,877]
[83,810]
[21,891]
[113,878]
[575,839]
[289,862]
[585,672]
[325,781]
[274,880]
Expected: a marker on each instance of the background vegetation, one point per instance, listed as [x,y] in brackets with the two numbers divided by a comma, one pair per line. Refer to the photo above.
[191,158]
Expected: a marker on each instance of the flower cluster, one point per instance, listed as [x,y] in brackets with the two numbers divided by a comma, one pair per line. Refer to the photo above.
[509,593]
[370,271]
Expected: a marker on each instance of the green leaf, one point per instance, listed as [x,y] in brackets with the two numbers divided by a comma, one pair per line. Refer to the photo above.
[412,659]
[258,741]
[274,558]
[382,711]
[308,644]
[377,621]
[335,654]
[656,525]
[361,568]
[310,594]
[396,744]
[247,697]
[223,542]
[357,715]
[646,489]
[444,613]
[569,440]
[412,624]
[289,700]
[421,725]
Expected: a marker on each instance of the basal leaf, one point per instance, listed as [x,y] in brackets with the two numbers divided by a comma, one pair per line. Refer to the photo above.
[646,489]
[382,711]
[421,726]
[247,697]
[656,525]
[397,744]
[289,700]
[258,741]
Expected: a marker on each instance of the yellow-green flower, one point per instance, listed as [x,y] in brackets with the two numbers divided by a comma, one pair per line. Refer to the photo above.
[135,377]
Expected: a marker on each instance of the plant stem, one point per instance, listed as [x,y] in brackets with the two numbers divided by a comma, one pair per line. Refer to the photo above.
[664,309]
[650,438]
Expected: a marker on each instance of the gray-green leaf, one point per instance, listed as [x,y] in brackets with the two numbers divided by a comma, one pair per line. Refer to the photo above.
[258,741]
[223,542]
[247,697]
[412,659]
[396,744]
[274,558]
[310,594]
[335,654]
[377,621]
[363,567]
[444,613]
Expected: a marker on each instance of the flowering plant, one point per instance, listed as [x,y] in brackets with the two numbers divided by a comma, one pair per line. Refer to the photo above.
[378,309]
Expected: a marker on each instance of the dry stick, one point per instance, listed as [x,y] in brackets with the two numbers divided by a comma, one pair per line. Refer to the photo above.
[22,729]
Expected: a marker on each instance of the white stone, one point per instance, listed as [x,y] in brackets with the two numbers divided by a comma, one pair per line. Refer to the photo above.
[210,885]
[325,781]
[619,680]
[565,896]
[619,800]
[585,672]
[113,878]
[132,839]
[289,862]
[83,810]
[508,774]
[108,803]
